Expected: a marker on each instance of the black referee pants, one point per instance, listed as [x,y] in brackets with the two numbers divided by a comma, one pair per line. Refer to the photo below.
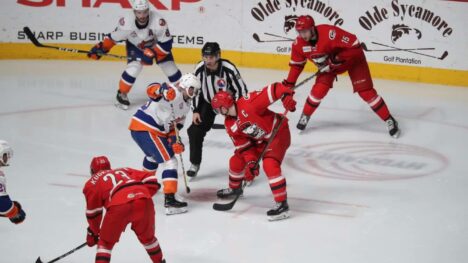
[197,133]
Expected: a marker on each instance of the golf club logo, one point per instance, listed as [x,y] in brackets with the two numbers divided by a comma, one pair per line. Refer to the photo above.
[402,33]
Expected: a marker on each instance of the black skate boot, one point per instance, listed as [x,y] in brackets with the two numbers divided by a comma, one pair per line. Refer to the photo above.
[122,101]
[303,122]
[174,206]
[229,193]
[193,170]
[280,211]
[392,126]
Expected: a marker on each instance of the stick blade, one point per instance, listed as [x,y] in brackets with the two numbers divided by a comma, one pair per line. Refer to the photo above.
[444,55]
[39,260]
[31,36]
[223,207]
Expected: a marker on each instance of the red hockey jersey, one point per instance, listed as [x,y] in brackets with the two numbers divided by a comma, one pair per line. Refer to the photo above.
[332,42]
[115,187]
[254,123]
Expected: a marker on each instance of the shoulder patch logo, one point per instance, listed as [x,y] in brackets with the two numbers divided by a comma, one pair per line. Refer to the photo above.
[122,21]
[307,49]
[162,22]
[332,34]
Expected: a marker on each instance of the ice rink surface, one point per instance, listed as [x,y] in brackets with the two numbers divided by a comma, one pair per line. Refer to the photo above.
[356,194]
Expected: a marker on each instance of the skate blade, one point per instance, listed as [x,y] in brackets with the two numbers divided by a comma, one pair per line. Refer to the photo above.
[121,106]
[279,217]
[175,210]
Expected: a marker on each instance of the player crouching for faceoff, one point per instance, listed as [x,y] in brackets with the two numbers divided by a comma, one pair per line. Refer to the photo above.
[8,208]
[250,124]
[126,194]
[334,51]
[147,39]
[153,129]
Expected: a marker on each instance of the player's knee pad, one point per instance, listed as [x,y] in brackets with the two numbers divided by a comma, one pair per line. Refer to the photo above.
[319,91]
[368,94]
[134,68]
[170,70]
[171,164]
[236,164]
[272,167]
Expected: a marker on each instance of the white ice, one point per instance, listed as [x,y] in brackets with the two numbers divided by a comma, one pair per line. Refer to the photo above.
[356,194]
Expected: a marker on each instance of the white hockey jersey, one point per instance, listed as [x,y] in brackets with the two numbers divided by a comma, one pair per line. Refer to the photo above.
[158,116]
[156,33]
[3,191]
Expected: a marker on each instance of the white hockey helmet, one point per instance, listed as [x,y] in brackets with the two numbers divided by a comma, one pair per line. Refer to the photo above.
[139,5]
[6,152]
[188,81]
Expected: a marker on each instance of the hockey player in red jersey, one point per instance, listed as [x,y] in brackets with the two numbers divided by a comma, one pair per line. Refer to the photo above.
[250,124]
[126,195]
[8,208]
[335,51]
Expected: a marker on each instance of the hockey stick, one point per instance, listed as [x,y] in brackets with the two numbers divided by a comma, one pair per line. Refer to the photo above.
[34,40]
[257,38]
[62,256]
[444,55]
[187,188]
[273,35]
[364,46]
[218,126]
[230,205]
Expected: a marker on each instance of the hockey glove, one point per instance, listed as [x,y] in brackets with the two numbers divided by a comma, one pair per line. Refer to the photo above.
[97,51]
[19,216]
[178,147]
[251,171]
[289,103]
[166,91]
[91,238]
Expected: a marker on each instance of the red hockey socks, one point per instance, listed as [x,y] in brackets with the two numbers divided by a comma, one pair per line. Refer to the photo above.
[277,181]
[376,103]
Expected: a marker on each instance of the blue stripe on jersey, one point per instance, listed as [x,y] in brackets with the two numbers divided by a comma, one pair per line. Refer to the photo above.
[5,203]
[128,78]
[146,118]
[169,174]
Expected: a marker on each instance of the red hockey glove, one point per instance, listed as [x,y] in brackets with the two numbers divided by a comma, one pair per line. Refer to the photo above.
[251,171]
[178,147]
[91,238]
[289,103]
[332,65]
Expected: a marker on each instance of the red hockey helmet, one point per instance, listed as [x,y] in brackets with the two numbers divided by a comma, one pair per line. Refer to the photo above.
[222,99]
[99,163]
[304,23]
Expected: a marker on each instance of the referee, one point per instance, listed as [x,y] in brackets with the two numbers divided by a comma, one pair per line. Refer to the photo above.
[215,74]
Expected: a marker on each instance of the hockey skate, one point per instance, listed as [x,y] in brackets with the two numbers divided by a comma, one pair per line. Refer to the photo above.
[279,212]
[392,126]
[122,101]
[193,170]
[301,125]
[229,193]
[174,206]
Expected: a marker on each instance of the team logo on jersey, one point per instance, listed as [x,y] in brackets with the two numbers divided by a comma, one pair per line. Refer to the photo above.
[133,34]
[162,22]
[253,130]
[122,21]
[221,84]
[307,49]
[332,34]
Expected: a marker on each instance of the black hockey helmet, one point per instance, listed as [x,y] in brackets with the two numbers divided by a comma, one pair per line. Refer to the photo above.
[211,49]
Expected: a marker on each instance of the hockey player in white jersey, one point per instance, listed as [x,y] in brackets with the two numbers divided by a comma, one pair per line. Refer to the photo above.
[153,129]
[147,38]
[8,208]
